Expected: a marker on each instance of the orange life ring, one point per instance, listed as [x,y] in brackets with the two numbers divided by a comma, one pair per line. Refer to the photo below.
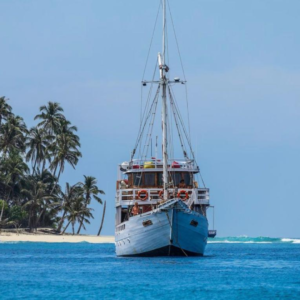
[143,192]
[161,194]
[180,193]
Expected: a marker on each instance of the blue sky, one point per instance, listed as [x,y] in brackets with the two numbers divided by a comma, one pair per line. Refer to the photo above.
[241,60]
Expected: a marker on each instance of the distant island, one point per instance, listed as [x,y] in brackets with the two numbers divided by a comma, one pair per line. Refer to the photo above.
[31,163]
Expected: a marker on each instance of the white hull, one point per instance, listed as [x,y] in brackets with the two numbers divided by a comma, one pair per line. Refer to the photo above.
[175,230]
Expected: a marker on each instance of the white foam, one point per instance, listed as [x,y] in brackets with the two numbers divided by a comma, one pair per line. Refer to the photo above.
[252,242]
[294,241]
[259,240]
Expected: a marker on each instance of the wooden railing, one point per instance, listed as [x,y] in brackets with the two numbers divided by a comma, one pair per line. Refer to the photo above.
[129,196]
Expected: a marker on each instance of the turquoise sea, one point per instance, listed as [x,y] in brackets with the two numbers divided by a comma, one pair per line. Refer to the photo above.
[233,268]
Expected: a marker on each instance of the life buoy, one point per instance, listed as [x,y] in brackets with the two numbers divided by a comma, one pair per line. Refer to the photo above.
[161,194]
[183,193]
[143,195]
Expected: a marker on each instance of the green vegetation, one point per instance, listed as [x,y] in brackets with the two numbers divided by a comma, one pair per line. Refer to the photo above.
[31,163]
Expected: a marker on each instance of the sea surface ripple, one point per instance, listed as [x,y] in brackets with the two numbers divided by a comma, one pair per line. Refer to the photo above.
[232,268]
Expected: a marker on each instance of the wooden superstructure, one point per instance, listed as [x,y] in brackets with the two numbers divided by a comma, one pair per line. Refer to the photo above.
[143,184]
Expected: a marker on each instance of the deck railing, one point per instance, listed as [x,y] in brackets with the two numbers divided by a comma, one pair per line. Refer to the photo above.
[130,196]
[157,163]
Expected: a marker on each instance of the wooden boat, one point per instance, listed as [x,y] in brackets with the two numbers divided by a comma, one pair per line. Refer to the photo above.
[160,206]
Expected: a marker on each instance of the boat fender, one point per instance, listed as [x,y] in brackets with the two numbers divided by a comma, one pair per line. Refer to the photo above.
[143,195]
[181,193]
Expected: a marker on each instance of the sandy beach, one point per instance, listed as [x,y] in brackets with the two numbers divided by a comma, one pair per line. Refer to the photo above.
[53,238]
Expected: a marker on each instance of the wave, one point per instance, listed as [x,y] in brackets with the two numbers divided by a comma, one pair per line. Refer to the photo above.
[253,240]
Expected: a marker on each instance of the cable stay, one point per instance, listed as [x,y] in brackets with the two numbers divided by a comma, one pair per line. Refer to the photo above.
[171,114]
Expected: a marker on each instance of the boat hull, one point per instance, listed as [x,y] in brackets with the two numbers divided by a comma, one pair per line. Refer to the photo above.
[167,232]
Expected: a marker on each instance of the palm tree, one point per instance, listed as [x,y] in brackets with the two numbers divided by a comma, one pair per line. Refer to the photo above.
[36,195]
[76,212]
[12,134]
[49,205]
[5,109]
[65,127]
[12,170]
[51,115]
[89,191]
[63,150]
[102,220]
[67,198]
[39,197]
[38,142]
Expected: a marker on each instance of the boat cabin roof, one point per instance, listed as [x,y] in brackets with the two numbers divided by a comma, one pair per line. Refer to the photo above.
[155,165]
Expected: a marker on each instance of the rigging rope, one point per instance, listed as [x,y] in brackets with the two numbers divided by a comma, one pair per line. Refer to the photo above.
[181,63]
[177,113]
[149,134]
[176,122]
[176,40]
[160,4]
[141,128]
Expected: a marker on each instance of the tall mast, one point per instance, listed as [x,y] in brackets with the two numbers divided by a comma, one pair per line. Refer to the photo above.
[163,82]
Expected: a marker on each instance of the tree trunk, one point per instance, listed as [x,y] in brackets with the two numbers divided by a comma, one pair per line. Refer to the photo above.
[29,219]
[54,170]
[103,215]
[80,225]
[58,174]
[56,181]
[66,227]
[2,210]
[81,222]
[38,219]
[34,166]
[61,221]
[73,230]
[44,164]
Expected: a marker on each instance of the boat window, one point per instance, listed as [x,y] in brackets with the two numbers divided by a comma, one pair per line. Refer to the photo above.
[176,176]
[137,179]
[130,179]
[160,179]
[188,178]
[149,179]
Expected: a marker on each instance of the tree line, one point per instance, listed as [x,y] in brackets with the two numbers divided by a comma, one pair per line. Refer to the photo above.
[31,163]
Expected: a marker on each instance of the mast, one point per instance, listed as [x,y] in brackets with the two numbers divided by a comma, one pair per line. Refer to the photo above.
[163,82]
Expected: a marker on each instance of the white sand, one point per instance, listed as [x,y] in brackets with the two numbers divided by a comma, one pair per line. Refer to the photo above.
[52,238]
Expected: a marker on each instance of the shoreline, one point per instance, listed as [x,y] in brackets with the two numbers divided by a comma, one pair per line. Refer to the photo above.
[55,238]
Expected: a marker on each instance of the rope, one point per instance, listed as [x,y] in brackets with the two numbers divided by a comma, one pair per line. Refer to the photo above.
[176,122]
[176,41]
[141,128]
[160,4]
[181,63]
[177,112]
[150,129]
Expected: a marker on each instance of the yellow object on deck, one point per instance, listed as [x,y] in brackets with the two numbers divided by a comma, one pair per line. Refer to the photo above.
[148,165]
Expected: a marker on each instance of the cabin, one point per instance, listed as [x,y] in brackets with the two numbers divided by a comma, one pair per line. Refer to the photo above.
[141,182]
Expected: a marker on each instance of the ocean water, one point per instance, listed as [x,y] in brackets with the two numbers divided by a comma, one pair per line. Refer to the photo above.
[232,268]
